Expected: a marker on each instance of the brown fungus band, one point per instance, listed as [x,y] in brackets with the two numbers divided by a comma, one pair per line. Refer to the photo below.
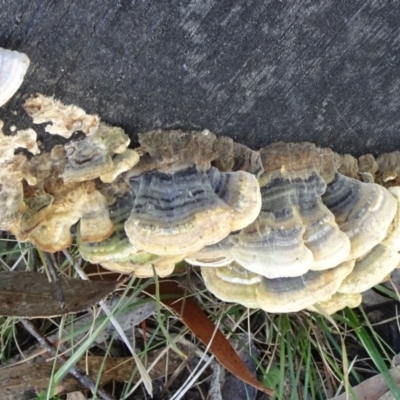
[286,228]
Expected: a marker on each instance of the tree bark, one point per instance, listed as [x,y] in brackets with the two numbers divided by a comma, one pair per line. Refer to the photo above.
[258,71]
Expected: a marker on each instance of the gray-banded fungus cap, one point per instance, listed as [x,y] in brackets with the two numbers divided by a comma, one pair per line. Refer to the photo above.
[236,284]
[176,213]
[295,294]
[182,203]
[116,253]
[294,232]
[117,246]
[13,66]
[233,283]
[85,161]
[363,211]
[95,224]
[240,190]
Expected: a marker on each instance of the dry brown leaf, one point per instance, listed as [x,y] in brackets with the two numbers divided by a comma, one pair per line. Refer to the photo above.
[31,295]
[17,381]
[232,387]
[204,329]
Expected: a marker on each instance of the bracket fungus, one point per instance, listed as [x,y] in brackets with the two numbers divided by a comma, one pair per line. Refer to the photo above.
[116,253]
[370,269]
[337,302]
[313,219]
[389,166]
[14,169]
[281,230]
[181,202]
[13,66]
[363,211]
[115,250]
[216,255]
[274,295]
[92,157]
[52,207]
[294,232]
[61,207]
[286,228]
[64,120]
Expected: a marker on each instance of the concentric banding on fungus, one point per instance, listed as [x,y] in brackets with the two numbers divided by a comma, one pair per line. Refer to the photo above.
[364,211]
[240,190]
[233,283]
[189,193]
[176,213]
[117,247]
[294,232]
[92,157]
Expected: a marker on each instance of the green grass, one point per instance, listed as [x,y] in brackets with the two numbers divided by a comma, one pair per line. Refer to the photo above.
[300,355]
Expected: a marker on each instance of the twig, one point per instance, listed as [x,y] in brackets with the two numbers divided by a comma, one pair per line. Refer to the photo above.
[74,371]
[51,265]
[217,379]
